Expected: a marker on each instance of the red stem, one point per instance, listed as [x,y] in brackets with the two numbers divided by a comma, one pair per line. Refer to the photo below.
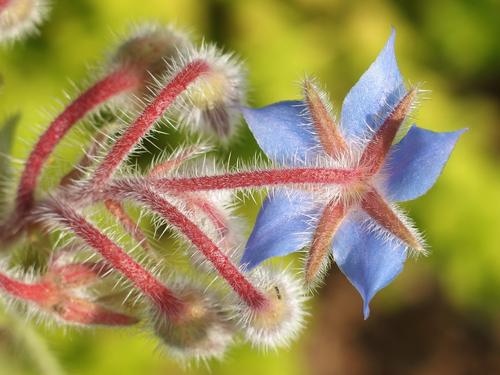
[147,119]
[116,209]
[37,293]
[120,260]
[271,177]
[111,85]
[247,292]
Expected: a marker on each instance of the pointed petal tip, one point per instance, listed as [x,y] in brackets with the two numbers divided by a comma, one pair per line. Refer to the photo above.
[379,88]
[392,37]
[366,309]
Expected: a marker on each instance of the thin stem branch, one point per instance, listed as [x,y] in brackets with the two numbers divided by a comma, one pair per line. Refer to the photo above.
[258,179]
[243,287]
[111,85]
[132,136]
[165,299]
[37,292]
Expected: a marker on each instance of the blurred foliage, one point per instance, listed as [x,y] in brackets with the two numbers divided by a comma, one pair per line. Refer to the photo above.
[452,46]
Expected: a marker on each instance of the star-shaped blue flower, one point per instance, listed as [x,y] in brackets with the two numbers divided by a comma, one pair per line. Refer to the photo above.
[368,237]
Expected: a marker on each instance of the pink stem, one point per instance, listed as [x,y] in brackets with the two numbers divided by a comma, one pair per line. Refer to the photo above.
[146,120]
[255,179]
[120,260]
[213,214]
[37,293]
[116,209]
[111,85]
[247,292]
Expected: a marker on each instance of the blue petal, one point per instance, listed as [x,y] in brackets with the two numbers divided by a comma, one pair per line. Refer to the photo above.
[282,132]
[369,262]
[415,163]
[373,97]
[281,228]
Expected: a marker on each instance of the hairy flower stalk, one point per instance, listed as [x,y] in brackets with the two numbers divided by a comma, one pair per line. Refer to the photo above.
[189,322]
[116,209]
[146,120]
[259,179]
[247,292]
[271,308]
[159,294]
[111,85]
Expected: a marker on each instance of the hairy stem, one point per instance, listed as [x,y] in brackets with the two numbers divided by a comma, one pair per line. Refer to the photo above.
[116,209]
[111,85]
[247,292]
[165,299]
[57,299]
[37,293]
[132,136]
[257,179]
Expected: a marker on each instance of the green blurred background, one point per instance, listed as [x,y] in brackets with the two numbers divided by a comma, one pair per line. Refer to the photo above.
[441,315]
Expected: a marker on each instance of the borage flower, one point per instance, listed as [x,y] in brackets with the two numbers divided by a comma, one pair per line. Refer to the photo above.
[369,237]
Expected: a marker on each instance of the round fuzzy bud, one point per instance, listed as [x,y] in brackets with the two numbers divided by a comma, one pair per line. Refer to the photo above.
[278,322]
[212,102]
[20,17]
[148,52]
[200,331]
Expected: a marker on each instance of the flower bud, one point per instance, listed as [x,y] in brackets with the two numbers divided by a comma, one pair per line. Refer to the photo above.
[201,330]
[20,17]
[148,51]
[279,321]
[212,102]
[76,274]
[82,312]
